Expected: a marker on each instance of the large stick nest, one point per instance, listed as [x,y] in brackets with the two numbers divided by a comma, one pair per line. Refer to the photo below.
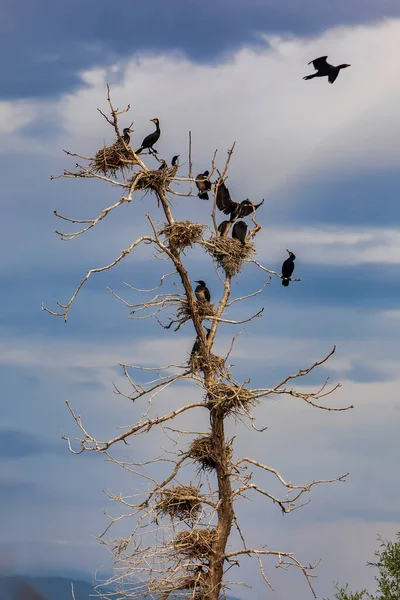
[199,363]
[157,180]
[202,450]
[204,309]
[179,502]
[229,253]
[196,543]
[111,159]
[182,234]
[230,399]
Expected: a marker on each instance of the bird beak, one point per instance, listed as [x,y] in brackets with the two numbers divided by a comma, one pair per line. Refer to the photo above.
[288,251]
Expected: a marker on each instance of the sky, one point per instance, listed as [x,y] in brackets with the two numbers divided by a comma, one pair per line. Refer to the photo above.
[326,160]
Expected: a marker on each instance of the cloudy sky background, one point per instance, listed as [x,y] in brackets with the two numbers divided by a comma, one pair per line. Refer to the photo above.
[326,160]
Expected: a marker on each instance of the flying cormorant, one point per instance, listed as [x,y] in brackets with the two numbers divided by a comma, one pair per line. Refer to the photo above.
[203,185]
[287,268]
[324,69]
[239,231]
[202,292]
[151,139]
[235,209]
[126,136]
[224,228]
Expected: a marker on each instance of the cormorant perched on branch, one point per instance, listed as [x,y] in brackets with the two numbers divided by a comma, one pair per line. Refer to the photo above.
[175,161]
[126,136]
[224,228]
[288,268]
[239,231]
[234,209]
[324,69]
[203,185]
[151,139]
[202,292]
[196,345]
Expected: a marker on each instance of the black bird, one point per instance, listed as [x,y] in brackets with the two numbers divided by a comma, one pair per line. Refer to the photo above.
[126,136]
[203,185]
[239,231]
[235,209]
[175,161]
[324,69]
[202,292]
[196,345]
[151,139]
[224,228]
[163,165]
[287,268]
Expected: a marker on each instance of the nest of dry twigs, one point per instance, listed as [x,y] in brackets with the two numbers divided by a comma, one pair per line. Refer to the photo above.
[182,234]
[204,308]
[111,159]
[202,450]
[175,587]
[155,181]
[179,502]
[231,399]
[196,543]
[214,362]
[229,253]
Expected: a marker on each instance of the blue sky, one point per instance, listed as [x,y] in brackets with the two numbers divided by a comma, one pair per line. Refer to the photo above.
[325,158]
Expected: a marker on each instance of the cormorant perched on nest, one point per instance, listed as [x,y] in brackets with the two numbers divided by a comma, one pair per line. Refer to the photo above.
[151,139]
[196,345]
[235,209]
[288,268]
[125,135]
[163,165]
[324,69]
[202,292]
[203,185]
[239,231]
[223,228]
[175,161]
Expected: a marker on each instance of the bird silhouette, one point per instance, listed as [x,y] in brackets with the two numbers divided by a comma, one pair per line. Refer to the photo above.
[151,139]
[239,231]
[203,185]
[324,69]
[287,268]
[202,292]
[236,210]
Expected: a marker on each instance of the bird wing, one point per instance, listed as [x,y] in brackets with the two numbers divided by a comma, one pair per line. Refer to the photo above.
[224,201]
[247,209]
[319,63]
[207,294]
[332,76]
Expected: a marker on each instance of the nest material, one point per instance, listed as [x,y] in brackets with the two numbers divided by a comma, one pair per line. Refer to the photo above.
[202,450]
[111,159]
[179,502]
[230,399]
[229,253]
[198,362]
[204,308]
[182,234]
[196,543]
[157,181]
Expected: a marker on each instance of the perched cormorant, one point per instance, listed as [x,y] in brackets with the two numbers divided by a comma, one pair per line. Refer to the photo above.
[239,231]
[151,139]
[287,268]
[324,69]
[126,136]
[235,209]
[163,165]
[175,161]
[202,292]
[196,345]
[224,228]
[203,185]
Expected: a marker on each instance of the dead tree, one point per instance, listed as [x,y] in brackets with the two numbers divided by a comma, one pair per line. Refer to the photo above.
[178,545]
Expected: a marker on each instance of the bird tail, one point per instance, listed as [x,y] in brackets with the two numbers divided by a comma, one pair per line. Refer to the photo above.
[139,151]
[203,196]
[309,76]
[285,282]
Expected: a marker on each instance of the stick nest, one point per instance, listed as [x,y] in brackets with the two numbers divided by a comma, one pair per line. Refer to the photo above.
[156,181]
[196,543]
[179,502]
[231,399]
[182,234]
[111,159]
[229,253]
[202,450]
[204,308]
[214,362]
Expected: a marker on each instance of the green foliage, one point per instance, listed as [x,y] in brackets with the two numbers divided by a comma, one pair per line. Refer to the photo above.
[343,593]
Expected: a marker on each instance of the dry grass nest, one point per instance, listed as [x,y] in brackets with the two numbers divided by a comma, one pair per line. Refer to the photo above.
[202,450]
[111,159]
[204,308]
[198,362]
[230,399]
[182,234]
[179,502]
[229,253]
[196,543]
[157,181]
